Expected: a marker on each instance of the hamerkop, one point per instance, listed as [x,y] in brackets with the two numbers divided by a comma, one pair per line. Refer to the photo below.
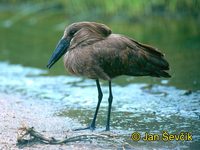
[92,51]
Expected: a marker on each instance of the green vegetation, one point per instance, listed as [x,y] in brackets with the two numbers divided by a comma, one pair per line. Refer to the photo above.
[114,10]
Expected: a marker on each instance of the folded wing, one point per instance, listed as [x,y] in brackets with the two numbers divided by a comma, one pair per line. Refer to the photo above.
[120,55]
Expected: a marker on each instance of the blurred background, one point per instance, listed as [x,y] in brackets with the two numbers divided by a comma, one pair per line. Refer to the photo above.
[30,30]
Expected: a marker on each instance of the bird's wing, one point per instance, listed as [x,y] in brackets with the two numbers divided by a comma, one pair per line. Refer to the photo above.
[120,55]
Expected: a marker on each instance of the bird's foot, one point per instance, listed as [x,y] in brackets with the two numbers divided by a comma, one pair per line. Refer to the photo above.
[107,128]
[91,127]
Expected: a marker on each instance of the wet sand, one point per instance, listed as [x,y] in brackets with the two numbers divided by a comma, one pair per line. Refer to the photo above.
[17,112]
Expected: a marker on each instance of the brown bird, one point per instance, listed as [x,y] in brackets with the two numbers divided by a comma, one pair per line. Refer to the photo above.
[91,50]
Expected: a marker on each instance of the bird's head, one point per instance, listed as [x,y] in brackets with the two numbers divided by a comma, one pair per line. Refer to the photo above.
[80,33]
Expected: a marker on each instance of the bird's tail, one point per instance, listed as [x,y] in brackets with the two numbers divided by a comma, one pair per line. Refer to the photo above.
[157,65]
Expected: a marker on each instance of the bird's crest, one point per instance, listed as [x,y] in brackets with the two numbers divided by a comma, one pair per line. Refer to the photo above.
[87,33]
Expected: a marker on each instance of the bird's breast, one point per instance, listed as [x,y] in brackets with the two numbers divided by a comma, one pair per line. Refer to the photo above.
[72,64]
[79,62]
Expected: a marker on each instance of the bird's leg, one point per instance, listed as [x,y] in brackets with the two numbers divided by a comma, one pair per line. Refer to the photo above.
[100,96]
[110,98]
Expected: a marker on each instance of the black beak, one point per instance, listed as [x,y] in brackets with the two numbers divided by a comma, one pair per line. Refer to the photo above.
[60,50]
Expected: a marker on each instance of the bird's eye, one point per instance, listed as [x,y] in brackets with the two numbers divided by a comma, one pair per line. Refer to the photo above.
[72,32]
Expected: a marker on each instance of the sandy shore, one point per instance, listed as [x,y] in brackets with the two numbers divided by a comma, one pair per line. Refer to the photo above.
[15,112]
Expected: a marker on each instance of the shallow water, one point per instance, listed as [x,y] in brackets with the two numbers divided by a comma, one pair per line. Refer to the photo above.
[136,107]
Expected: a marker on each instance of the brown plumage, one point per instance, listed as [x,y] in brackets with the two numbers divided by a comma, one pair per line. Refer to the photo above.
[91,50]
